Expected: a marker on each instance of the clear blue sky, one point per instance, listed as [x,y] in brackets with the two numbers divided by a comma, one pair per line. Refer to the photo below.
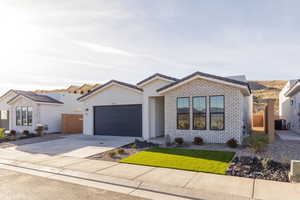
[54,43]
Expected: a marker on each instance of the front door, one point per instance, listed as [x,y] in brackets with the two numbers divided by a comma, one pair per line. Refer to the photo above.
[4,119]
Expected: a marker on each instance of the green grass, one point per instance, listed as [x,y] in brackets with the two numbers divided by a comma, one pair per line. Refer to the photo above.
[2,137]
[193,160]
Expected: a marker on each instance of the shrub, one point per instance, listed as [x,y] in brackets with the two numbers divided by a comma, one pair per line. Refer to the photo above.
[179,140]
[26,133]
[134,146]
[2,131]
[198,140]
[232,143]
[121,151]
[40,130]
[13,132]
[257,141]
[112,154]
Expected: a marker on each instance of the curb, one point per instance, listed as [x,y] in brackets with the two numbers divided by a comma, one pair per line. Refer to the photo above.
[130,187]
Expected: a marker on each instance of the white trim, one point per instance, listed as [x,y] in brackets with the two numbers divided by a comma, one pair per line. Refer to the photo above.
[8,93]
[36,102]
[106,87]
[157,77]
[205,78]
[291,90]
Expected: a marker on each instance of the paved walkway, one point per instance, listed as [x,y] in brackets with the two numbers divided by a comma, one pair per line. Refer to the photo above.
[288,135]
[140,180]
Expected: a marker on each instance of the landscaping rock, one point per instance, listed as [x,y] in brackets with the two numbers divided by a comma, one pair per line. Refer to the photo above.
[254,168]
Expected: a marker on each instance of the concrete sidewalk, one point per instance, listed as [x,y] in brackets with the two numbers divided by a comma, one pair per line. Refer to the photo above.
[143,180]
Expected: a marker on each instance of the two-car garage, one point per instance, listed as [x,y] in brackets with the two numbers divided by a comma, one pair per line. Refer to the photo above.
[113,109]
[118,120]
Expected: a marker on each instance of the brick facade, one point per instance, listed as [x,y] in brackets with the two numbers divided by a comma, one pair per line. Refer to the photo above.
[234,115]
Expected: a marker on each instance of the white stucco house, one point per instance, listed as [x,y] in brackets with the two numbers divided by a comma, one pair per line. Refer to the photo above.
[289,104]
[23,110]
[213,107]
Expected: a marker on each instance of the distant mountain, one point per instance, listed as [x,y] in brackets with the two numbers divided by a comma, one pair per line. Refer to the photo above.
[266,90]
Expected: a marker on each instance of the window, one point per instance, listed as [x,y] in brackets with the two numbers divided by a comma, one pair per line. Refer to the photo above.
[199,113]
[24,116]
[29,116]
[217,112]
[18,116]
[183,113]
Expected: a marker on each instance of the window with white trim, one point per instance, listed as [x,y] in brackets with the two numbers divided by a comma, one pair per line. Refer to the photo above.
[24,116]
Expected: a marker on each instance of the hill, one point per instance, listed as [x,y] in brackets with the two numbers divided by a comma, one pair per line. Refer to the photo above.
[265,90]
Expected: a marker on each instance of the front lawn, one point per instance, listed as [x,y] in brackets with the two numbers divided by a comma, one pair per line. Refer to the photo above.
[215,162]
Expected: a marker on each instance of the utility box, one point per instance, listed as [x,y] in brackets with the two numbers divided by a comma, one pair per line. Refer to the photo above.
[295,171]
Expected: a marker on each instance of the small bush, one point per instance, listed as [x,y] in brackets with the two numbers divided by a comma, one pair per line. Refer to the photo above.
[257,142]
[2,131]
[232,143]
[179,140]
[121,151]
[198,140]
[112,154]
[13,132]
[134,146]
[26,133]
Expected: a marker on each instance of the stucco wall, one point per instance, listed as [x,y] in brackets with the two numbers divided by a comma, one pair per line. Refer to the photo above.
[294,113]
[149,106]
[287,110]
[233,111]
[114,95]
[50,115]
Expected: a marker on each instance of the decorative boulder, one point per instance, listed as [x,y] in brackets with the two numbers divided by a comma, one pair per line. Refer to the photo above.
[295,171]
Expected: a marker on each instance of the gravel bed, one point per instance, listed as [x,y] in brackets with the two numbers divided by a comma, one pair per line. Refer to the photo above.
[260,168]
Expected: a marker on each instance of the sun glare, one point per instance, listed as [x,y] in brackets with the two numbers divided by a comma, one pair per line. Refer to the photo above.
[17,35]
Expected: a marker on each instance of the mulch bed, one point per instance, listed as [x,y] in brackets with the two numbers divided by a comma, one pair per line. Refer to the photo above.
[259,168]
[129,149]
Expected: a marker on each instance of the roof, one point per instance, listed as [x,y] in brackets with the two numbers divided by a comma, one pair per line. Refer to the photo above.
[229,80]
[157,75]
[38,98]
[295,87]
[85,85]
[108,83]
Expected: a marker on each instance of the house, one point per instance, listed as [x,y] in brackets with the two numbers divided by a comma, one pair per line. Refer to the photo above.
[289,104]
[72,89]
[23,110]
[213,107]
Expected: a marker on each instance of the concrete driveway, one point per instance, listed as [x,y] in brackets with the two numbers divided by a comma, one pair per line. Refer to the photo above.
[80,146]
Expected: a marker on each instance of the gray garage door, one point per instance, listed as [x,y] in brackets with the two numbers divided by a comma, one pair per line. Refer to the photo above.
[118,120]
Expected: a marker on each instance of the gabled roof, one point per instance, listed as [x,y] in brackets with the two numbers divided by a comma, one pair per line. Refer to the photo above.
[38,98]
[72,87]
[157,75]
[293,89]
[208,77]
[85,85]
[108,84]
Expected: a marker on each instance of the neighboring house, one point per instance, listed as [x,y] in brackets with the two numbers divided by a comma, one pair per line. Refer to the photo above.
[27,109]
[85,88]
[213,107]
[72,89]
[289,104]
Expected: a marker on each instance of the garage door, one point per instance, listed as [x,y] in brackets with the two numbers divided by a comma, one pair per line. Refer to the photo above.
[118,120]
